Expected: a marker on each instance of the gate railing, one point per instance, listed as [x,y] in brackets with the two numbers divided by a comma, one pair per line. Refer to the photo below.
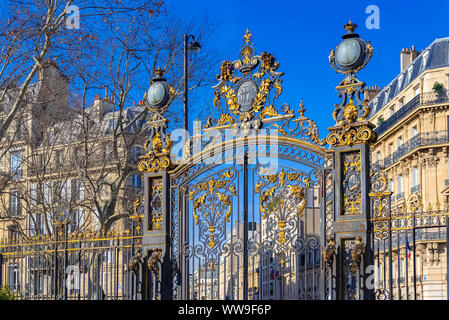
[410,250]
[83,266]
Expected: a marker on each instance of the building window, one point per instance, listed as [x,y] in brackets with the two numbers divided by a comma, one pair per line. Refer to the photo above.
[415,176]
[401,103]
[16,161]
[380,274]
[393,272]
[77,222]
[14,204]
[378,156]
[78,155]
[402,270]
[78,190]
[136,181]
[36,224]
[41,162]
[400,194]
[399,141]
[107,151]
[414,131]
[13,233]
[96,221]
[51,135]
[13,277]
[135,153]
[112,124]
[418,266]
[20,129]
[59,158]
[66,190]
[48,192]
[33,194]
[391,110]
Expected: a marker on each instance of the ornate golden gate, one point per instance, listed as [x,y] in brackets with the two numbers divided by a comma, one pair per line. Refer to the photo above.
[256,207]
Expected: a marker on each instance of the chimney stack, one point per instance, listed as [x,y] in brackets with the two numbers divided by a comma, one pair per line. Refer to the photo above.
[371,92]
[408,56]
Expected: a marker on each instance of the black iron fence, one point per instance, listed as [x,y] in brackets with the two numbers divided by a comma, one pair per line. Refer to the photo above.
[411,255]
[77,266]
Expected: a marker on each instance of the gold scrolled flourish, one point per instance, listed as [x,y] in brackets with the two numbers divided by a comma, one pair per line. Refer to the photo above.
[210,187]
[154,164]
[350,136]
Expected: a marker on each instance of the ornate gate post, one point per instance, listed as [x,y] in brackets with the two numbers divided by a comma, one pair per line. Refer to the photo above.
[157,225]
[350,139]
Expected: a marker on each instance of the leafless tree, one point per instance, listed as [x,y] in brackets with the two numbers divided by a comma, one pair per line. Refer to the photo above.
[94,145]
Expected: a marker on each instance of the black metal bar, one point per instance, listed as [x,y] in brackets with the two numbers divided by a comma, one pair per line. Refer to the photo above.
[414,258]
[65,261]
[447,257]
[56,273]
[399,265]
[186,117]
[245,226]
[1,269]
[406,264]
[390,262]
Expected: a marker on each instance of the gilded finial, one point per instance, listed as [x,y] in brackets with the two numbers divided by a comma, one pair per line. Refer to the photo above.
[350,27]
[248,36]
[159,72]
[301,110]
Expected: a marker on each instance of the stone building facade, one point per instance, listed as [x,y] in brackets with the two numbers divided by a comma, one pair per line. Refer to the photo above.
[412,118]
[55,154]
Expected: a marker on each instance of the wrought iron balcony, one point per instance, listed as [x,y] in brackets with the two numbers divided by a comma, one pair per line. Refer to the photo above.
[406,109]
[414,189]
[419,140]
[388,161]
[435,97]
[428,98]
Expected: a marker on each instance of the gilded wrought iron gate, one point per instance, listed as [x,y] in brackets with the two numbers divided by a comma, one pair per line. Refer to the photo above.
[245,199]
[256,207]
[248,231]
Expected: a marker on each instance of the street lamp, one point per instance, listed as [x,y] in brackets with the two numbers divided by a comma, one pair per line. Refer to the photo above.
[193,46]
[159,92]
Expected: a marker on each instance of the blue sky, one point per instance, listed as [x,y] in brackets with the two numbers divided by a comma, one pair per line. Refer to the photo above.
[301,35]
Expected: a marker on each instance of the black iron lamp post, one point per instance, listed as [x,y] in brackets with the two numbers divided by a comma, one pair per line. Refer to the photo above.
[193,46]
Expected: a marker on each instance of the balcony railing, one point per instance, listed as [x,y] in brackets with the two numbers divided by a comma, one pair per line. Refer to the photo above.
[406,109]
[428,98]
[414,189]
[435,97]
[419,140]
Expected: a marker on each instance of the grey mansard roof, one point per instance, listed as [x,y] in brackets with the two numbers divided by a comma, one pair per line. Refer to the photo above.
[434,56]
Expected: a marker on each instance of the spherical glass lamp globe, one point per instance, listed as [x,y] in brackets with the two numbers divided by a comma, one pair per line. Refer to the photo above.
[157,95]
[348,53]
